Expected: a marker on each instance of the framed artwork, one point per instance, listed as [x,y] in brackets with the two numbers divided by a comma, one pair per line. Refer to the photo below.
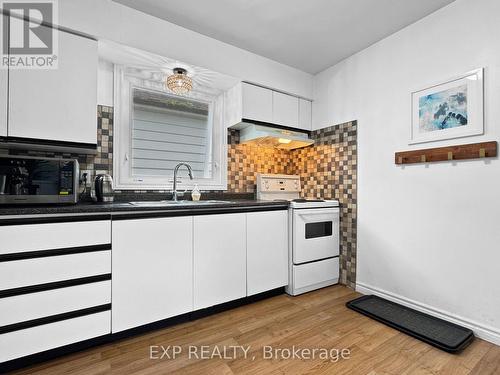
[451,109]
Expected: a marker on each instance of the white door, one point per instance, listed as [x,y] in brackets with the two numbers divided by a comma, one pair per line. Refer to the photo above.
[58,104]
[315,234]
[3,102]
[267,251]
[285,110]
[219,259]
[257,103]
[152,270]
[305,114]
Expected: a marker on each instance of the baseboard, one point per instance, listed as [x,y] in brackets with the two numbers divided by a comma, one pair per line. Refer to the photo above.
[486,333]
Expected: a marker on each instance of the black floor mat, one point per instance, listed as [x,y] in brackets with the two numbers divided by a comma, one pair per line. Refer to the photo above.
[437,332]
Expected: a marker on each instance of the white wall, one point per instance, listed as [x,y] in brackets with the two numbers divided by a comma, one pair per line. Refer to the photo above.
[105,85]
[428,234]
[105,19]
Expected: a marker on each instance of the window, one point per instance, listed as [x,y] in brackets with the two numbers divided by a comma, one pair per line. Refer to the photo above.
[156,130]
[321,229]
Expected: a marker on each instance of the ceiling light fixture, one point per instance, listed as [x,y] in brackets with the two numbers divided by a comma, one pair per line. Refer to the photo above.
[179,82]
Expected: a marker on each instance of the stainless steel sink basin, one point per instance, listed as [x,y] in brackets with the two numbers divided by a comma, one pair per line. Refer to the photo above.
[155,203]
[210,202]
[175,203]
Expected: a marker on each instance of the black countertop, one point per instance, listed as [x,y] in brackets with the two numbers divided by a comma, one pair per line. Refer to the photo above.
[124,210]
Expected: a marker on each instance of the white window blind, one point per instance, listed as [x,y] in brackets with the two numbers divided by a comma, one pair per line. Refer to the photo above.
[167,130]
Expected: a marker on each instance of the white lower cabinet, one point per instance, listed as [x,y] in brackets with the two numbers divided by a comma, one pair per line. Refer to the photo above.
[152,270]
[267,251]
[219,259]
[161,267]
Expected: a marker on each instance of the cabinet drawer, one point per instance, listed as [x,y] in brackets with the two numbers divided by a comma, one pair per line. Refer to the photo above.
[34,237]
[31,306]
[49,336]
[26,272]
[316,272]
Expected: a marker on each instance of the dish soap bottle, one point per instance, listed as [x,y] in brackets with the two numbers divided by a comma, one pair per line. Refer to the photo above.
[196,194]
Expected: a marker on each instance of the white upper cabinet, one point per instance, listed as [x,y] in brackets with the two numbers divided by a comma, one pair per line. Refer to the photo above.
[285,110]
[250,102]
[267,251]
[257,103]
[3,102]
[219,259]
[58,104]
[305,114]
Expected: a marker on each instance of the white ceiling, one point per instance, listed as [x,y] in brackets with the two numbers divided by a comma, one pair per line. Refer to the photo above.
[310,35]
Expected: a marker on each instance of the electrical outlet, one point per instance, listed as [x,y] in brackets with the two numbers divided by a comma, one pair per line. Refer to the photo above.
[89,177]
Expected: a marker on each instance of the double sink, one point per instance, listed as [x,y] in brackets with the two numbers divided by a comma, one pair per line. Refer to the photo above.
[176,203]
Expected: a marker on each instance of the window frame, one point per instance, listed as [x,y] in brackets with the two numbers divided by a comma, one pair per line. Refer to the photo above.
[123,178]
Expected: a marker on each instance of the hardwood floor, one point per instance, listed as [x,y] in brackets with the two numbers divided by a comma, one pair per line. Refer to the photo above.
[314,320]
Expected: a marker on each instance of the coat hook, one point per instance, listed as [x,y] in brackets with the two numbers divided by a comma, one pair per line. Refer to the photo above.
[482,152]
[450,155]
[423,159]
[400,160]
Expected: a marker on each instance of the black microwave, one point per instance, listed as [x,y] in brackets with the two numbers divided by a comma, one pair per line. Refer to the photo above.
[36,180]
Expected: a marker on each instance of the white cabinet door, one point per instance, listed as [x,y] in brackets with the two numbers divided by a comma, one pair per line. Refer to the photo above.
[267,251]
[285,110]
[219,259]
[58,104]
[3,102]
[152,270]
[305,114]
[257,103]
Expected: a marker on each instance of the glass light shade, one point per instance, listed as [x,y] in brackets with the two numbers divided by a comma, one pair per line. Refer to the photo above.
[179,82]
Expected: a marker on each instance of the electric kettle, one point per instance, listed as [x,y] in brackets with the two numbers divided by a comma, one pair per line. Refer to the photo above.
[103,185]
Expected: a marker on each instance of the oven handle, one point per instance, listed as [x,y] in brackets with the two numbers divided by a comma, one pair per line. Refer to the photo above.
[315,216]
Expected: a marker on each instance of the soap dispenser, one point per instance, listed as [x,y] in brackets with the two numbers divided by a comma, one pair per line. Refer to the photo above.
[196,194]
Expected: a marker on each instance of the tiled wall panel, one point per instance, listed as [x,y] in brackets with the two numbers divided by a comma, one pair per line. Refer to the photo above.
[329,170]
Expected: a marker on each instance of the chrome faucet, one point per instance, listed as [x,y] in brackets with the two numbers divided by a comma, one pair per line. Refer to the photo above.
[176,169]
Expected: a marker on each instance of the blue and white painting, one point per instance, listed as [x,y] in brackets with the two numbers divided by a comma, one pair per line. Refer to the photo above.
[443,110]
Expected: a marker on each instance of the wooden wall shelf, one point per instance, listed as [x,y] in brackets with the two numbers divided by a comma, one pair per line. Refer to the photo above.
[460,152]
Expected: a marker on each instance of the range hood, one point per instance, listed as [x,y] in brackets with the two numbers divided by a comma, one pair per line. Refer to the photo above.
[268,136]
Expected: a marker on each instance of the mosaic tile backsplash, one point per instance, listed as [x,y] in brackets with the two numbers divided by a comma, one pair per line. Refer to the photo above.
[327,170]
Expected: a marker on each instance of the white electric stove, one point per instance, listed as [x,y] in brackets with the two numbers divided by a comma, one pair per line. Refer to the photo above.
[313,232]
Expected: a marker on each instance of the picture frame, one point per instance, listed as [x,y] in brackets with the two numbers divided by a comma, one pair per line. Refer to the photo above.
[448,110]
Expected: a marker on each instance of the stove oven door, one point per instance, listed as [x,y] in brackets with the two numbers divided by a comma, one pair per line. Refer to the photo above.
[315,234]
